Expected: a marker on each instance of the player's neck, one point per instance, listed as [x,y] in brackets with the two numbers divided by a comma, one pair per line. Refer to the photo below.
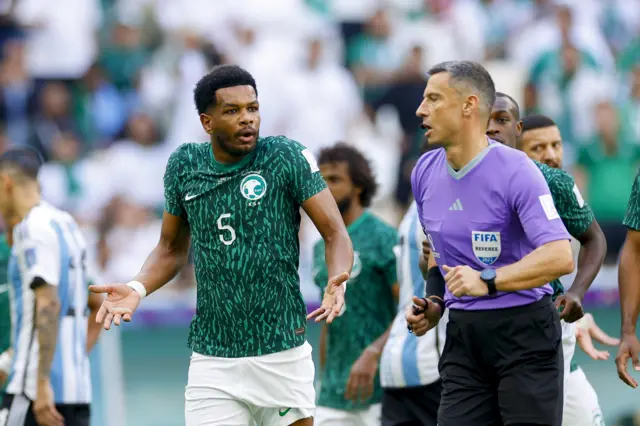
[223,157]
[26,199]
[351,215]
[460,154]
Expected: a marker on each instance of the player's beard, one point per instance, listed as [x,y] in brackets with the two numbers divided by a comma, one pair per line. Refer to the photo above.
[227,145]
[344,204]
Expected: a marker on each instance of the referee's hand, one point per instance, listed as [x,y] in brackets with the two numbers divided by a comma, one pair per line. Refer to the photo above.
[422,316]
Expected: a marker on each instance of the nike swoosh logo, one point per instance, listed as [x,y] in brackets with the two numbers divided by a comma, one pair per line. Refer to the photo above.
[190,197]
[283,413]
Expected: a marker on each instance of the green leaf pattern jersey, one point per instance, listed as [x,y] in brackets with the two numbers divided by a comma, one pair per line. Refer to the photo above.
[572,209]
[369,307]
[632,218]
[244,220]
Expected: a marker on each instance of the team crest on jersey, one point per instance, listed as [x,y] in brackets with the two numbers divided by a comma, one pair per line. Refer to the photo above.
[253,187]
[486,246]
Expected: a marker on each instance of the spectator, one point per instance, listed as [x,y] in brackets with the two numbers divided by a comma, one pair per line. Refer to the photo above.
[53,116]
[605,169]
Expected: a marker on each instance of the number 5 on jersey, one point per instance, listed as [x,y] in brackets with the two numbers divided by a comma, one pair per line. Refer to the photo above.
[228,230]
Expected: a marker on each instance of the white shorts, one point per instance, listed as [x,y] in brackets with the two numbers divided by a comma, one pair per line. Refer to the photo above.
[581,408]
[270,390]
[568,349]
[332,417]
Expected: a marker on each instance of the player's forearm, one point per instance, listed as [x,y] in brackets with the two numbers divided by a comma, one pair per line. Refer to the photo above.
[162,265]
[93,330]
[323,346]
[378,345]
[541,266]
[592,252]
[339,252]
[47,324]
[629,284]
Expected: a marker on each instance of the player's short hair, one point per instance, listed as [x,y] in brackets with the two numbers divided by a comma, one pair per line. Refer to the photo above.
[516,107]
[220,77]
[536,121]
[470,74]
[359,169]
[26,161]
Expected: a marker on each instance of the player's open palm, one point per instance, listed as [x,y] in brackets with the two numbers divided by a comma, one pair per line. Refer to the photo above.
[333,300]
[586,331]
[629,349]
[119,305]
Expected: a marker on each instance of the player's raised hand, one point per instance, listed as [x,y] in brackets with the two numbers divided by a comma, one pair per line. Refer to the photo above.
[119,305]
[586,331]
[464,281]
[333,300]
[570,307]
[629,349]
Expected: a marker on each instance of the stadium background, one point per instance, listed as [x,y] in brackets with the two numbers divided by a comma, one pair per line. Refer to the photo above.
[102,88]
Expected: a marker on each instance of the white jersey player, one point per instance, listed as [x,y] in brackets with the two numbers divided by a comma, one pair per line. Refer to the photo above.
[409,364]
[50,381]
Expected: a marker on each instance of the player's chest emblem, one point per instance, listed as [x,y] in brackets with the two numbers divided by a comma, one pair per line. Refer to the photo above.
[357,266]
[486,246]
[253,187]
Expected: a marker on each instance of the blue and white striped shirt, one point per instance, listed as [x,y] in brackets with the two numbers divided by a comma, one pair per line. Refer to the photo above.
[408,360]
[48,244]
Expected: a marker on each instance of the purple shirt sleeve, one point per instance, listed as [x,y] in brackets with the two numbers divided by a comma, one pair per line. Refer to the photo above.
[532,200]
[418,178]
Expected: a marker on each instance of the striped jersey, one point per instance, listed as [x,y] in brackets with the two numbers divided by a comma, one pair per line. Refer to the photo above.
[48,244]
[408,360]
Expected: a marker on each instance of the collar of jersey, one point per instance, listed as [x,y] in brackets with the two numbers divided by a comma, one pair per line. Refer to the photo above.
[356,223]
[471,164]
[224,168]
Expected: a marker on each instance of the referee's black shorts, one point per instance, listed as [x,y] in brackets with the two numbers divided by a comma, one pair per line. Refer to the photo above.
[503,367]
[411,406]
[17,410]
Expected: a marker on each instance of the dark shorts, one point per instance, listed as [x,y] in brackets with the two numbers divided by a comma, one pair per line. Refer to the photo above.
[17,410]
[503,367]
[413,406]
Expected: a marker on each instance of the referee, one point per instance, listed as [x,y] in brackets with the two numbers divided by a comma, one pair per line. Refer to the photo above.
[497,241]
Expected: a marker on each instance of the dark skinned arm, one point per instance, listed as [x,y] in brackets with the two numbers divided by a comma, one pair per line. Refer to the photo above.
[593,249]
[629,282]
[324,214]
[323,346]
[169,255]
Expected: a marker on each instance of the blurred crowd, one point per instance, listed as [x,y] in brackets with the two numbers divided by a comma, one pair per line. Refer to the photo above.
[103,89]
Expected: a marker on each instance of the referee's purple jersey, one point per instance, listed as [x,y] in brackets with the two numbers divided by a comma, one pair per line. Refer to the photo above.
[491,213]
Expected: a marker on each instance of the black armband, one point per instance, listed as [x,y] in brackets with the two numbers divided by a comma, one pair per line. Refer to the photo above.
[436,287]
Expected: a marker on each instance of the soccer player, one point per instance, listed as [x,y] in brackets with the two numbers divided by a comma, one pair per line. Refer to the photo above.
[50,382]
[540,139]
[409,365]
[497,241]
[350,393]
[629,284]
[239,197]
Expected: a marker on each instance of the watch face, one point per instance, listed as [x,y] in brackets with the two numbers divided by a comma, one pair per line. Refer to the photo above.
[488,274]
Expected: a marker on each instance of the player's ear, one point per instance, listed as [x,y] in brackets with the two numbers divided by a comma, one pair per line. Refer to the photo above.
[519,128]
[469,105]
[207,123]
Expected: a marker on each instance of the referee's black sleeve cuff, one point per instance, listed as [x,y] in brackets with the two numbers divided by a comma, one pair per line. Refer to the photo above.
[435,283]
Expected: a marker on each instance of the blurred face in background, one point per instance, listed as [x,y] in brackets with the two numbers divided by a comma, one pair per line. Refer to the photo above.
[378,25]
[142,129]
[544,145]
[503,126]
[607,122]
[570,59]
[440,110]
[55,100]
[340,184]
[66,148]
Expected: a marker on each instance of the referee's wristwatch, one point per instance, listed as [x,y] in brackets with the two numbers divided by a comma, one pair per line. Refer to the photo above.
[489,277]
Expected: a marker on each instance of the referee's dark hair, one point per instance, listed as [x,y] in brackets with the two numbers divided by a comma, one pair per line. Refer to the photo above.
[514,104]
[536,121]
[220,77]
[23,162]
[472,75]
[359,169]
